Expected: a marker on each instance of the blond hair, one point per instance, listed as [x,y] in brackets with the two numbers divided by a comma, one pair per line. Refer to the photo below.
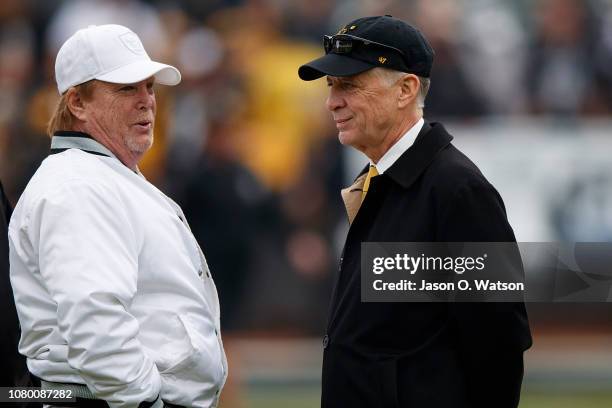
[62,118]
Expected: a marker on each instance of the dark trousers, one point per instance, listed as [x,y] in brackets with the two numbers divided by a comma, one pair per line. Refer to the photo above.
[80,403]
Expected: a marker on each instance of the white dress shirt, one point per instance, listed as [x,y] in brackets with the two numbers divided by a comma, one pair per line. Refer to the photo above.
[111,287]
[398,148]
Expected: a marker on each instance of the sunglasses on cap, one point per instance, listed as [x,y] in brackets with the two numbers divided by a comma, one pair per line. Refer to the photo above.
[346,43]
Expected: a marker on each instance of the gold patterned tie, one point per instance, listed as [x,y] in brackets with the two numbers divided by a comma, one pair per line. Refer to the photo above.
[372,172]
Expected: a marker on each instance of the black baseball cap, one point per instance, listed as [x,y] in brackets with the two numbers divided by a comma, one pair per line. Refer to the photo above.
[369,42]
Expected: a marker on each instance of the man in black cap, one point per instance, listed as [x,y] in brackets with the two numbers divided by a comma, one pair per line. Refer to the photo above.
[417,188]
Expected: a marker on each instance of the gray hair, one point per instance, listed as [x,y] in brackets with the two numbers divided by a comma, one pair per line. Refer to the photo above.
[423,91]
[391,76]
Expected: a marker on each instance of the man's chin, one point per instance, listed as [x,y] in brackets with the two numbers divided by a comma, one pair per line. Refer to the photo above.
[344,137]
[139,144]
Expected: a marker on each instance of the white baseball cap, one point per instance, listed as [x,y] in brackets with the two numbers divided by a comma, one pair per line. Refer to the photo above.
[110,53]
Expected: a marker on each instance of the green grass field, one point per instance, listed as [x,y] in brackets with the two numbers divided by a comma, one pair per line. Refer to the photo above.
[308,397]
[541,400]
[562,371]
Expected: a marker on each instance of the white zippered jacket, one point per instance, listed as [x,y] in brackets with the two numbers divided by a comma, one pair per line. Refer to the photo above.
[111,287]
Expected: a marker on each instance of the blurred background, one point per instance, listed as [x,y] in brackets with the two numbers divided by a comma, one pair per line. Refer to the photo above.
[249,152]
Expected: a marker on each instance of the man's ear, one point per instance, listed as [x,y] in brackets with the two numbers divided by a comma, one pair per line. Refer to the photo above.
[409,90]
[74,102]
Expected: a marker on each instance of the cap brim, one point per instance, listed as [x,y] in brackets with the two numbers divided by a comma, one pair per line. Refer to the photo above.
[141,70]
[334,65]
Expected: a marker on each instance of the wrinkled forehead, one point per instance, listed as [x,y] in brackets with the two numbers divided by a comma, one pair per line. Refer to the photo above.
[365,78]
[362,76]
[103,86]
[148,81]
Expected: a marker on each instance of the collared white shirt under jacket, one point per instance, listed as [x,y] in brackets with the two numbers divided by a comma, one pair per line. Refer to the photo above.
[403,143]
[111,287]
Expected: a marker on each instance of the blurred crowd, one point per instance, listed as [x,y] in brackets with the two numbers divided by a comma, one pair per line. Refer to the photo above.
[247,149]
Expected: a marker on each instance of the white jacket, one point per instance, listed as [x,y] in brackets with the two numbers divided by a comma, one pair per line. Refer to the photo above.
[111,287]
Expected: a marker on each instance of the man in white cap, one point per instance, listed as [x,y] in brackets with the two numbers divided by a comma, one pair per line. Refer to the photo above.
[114,296]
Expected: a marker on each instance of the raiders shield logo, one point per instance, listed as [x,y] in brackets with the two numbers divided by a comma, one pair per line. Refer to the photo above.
[132,43]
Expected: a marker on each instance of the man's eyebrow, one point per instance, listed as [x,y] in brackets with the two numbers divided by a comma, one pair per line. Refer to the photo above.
[342,80]
[349,81]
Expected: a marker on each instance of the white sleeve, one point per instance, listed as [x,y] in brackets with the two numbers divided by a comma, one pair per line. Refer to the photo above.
[88,257]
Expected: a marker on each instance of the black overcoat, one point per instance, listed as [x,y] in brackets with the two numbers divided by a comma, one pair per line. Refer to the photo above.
[13,364]
[423,355]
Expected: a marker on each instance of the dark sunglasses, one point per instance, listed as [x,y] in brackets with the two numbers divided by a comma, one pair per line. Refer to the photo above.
[345,44]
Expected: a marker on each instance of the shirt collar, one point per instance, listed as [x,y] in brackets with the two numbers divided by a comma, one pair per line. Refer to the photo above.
[69,139]
[403,144]
[64,139]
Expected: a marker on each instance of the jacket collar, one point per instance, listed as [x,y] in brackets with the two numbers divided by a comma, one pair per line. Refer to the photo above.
[64,139]
[431,140]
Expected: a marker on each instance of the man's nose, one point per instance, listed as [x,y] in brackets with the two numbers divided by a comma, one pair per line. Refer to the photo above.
[146,97]
[334,100]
